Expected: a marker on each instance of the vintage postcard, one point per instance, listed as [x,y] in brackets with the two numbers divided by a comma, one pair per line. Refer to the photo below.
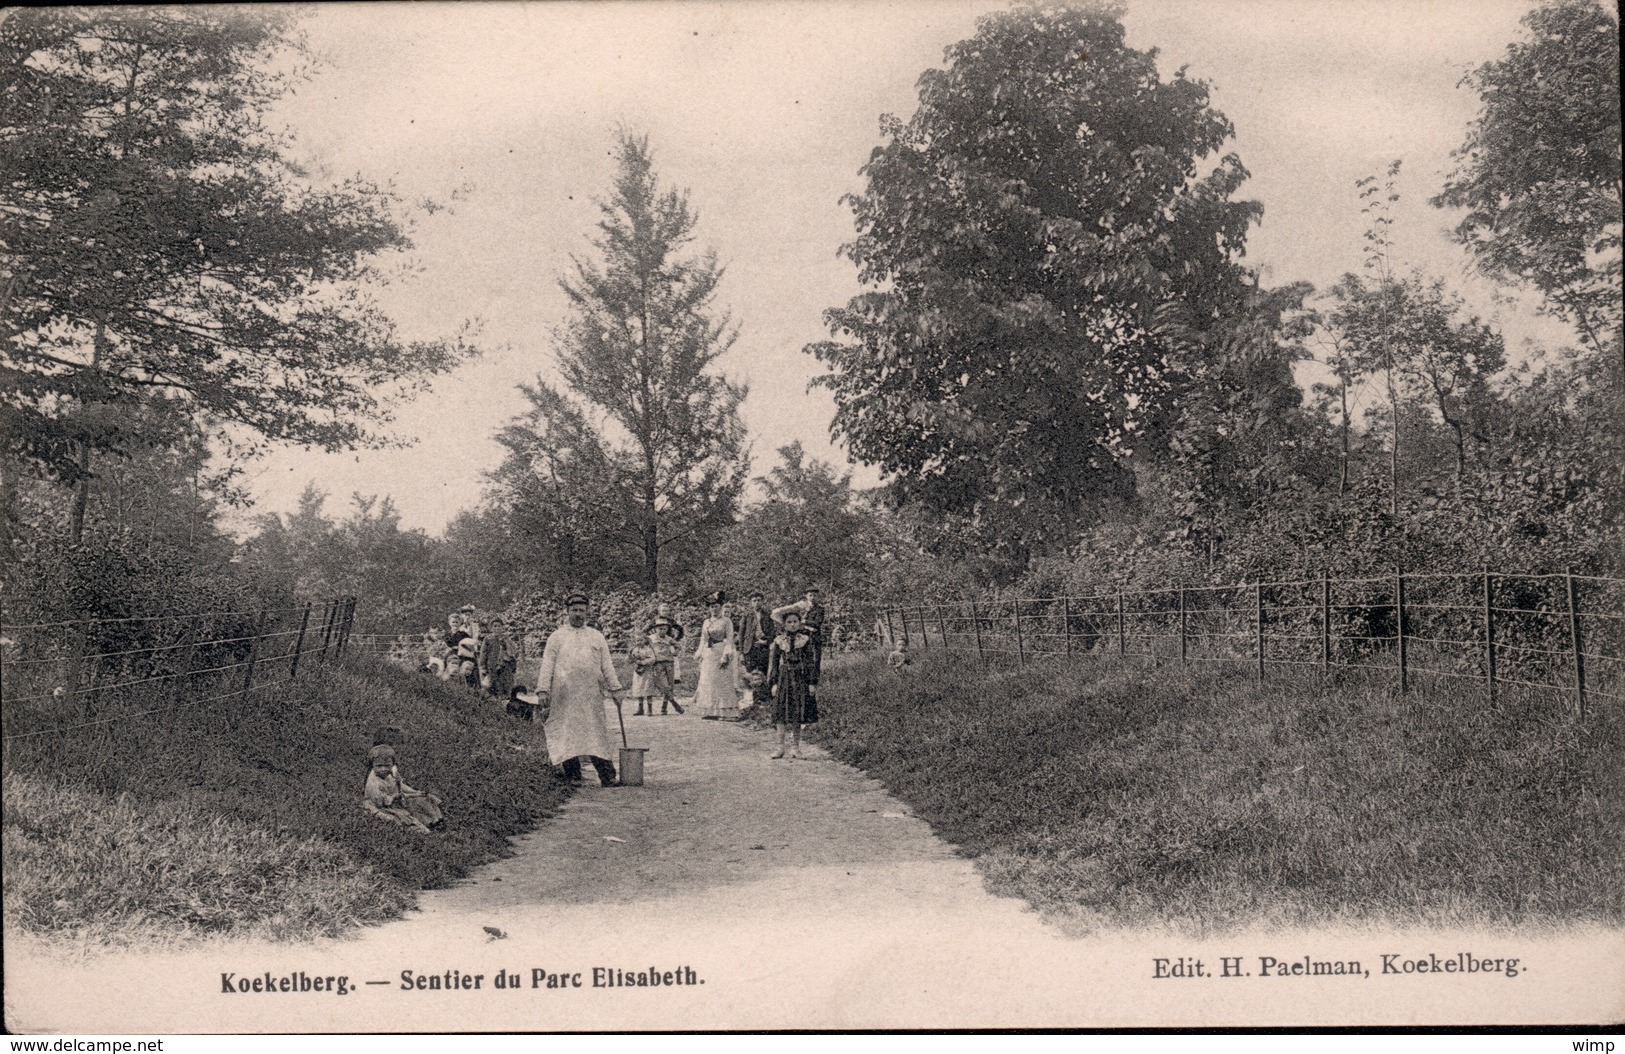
[811,515]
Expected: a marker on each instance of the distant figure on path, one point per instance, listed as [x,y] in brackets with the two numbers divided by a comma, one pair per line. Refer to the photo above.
[811,609]
[756,633]
[576,671]
[651,675]
[674,628]
[792,675]
[717,691]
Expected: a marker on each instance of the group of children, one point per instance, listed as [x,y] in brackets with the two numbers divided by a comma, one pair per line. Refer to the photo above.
[654,665]
[475,651]
[780,650]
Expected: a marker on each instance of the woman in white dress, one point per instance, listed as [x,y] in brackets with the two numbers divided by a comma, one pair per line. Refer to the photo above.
[717,693]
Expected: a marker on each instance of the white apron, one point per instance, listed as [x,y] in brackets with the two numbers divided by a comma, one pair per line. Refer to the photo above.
[577,671]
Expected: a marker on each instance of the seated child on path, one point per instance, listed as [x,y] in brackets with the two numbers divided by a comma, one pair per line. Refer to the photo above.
[389,798]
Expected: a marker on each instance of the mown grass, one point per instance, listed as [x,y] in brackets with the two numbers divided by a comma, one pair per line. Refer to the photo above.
[243,817]
[1111,795]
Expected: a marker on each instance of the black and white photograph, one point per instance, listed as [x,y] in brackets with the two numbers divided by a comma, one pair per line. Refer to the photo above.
[812,516]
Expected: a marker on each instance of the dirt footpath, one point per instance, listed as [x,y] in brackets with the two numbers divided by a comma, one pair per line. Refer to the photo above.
[760,895]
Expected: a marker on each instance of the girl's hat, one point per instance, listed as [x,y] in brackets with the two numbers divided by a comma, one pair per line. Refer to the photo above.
[381,752]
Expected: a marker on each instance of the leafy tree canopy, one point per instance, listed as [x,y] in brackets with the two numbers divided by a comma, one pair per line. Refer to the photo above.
[1029,234]
[156,236]
[1539,173]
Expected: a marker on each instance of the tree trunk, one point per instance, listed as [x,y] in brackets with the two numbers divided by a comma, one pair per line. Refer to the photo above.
[81,494]
[1343,435]
[651,557]
[1461,452]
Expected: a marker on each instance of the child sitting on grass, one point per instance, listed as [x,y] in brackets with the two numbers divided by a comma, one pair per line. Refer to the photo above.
[389,798]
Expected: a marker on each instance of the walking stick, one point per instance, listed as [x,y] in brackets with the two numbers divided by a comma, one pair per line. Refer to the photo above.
[621,720]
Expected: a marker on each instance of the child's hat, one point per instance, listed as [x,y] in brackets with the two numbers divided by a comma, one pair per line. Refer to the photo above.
[381,752]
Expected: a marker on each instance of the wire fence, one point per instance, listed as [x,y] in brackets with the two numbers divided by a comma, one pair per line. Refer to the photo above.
[56,676]
[1563,632]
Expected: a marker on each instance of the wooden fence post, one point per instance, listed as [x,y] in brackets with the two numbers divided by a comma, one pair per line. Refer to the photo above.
[1122,640]
[299,642]
[1258,607]
[1183,617]
[1489,635]
[902,616]
[329,617]
[942,628]
[976,623]
[1021,648]
[1066,623]
[1574,639]
[1325,623]
[1399,627]
[891,632]
[925,634]
[349,624]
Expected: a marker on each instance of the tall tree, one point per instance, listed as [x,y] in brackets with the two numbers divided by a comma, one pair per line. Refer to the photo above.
[1026,234]
[1540,172]
[156,236]
[645,449]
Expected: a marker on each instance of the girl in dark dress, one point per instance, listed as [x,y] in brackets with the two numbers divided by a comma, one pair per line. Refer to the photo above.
[792,677]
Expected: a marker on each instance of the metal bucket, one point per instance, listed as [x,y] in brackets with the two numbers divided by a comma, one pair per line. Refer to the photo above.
[632,766]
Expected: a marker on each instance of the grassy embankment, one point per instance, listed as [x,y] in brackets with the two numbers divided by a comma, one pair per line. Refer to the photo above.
[1112,795]
[243,817]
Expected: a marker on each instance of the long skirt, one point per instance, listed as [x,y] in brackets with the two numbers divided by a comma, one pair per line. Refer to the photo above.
[717,693]
[794,704]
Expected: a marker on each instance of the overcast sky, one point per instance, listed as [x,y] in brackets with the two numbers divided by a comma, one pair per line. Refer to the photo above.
[765,111]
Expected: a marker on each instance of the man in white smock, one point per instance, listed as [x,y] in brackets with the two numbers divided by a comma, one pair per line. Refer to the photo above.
[576,672]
